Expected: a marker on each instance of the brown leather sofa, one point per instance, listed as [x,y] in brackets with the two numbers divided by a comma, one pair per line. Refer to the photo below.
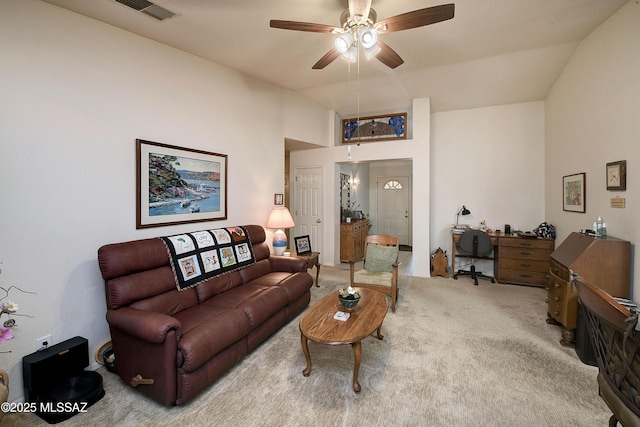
[170,344]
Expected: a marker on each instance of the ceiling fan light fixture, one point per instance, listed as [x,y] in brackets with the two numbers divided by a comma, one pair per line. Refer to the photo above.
[351,55]
[343,43]
[381,27]
[359,10]
[372,51]
[368,37]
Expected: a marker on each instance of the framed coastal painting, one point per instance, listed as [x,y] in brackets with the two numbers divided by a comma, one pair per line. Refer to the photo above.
[574,190]
[374,128]
[177,185]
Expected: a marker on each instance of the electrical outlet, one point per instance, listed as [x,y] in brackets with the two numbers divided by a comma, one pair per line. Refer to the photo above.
[44,342]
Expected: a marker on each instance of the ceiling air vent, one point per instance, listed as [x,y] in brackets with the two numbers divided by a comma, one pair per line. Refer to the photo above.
[148,8]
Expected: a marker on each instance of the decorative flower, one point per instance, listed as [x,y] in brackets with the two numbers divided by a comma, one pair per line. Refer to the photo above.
[9,308]
[344,293]
[5,334]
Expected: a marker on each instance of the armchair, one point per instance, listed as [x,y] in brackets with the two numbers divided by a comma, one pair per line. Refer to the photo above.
[616,343]
[474,244]
[380,270]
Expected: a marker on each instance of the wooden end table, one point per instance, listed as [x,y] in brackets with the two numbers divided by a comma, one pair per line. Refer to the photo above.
[318,325]
[313,260]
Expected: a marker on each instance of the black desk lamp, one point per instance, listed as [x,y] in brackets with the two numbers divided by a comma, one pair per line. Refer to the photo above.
[462,211]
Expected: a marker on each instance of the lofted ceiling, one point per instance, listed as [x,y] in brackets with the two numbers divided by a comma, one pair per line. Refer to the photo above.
[492,52]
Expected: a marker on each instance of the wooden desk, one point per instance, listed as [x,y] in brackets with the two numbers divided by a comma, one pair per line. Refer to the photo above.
[517,260]
[455,238]
[313,259]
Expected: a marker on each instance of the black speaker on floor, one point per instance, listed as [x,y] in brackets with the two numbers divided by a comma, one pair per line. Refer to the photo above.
[57,384]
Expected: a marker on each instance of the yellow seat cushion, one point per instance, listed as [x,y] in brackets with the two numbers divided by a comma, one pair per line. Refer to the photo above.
[369,277]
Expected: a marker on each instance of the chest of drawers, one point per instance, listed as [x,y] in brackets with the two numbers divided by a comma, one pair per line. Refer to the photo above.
[603,262]
[523,261]
[352,237]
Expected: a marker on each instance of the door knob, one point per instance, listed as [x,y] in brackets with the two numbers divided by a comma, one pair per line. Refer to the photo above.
[318,221]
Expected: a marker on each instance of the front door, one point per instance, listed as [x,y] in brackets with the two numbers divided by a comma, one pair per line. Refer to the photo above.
[308,206]
[393,207]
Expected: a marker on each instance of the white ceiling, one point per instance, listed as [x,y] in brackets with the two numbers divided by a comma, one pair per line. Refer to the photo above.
[492,52]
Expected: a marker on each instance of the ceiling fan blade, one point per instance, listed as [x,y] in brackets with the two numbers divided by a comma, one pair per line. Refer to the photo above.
[388,56]
[302,26]
[417,18]
[327,59]
[359,10]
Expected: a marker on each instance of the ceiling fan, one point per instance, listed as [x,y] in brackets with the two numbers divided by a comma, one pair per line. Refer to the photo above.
[359,27]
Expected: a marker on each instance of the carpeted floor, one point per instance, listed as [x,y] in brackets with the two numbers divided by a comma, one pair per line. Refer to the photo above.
[454,354]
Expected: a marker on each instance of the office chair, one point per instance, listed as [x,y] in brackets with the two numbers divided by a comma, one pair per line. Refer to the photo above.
[474,244]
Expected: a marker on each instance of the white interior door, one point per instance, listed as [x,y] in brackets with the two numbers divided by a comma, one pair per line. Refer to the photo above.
[393,207]
[308,206]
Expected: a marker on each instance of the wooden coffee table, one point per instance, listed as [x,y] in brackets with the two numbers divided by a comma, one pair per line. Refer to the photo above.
[318,325]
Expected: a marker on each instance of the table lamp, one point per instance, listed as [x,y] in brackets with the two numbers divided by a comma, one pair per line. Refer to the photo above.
[462,211]
[280,218]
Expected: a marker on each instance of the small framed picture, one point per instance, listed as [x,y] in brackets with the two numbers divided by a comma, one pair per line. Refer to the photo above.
[574,190]
[278,199]
[358,215]
[617,176]
[303,245]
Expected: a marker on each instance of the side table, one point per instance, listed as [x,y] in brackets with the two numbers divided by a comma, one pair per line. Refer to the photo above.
[313,259]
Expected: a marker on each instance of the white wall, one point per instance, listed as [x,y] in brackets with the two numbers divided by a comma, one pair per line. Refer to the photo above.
[592,117]
[75,95]
[332,159]
[492,161]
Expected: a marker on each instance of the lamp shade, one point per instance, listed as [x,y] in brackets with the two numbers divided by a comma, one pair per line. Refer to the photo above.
[343,42]
[368,37]
[280,218]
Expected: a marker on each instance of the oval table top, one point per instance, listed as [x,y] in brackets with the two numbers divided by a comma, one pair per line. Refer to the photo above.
[318,324]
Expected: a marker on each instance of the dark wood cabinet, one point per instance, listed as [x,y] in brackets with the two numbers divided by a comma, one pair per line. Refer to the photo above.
[604,262]
[352,237]
[523,261]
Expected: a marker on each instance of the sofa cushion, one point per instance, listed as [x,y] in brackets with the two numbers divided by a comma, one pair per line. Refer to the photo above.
[125,290]
[206,331]
[295,285]
[258,302]
[218,285]
[169,303]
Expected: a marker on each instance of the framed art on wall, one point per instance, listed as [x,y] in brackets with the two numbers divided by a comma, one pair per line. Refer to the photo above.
[574,198]
[278,199]
[177,185]
[617,176]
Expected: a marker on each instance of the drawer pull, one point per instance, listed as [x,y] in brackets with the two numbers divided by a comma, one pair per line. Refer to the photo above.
[556,313]
[526,276]
[525,244]
[525,265]
[557,299]
[525,253]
